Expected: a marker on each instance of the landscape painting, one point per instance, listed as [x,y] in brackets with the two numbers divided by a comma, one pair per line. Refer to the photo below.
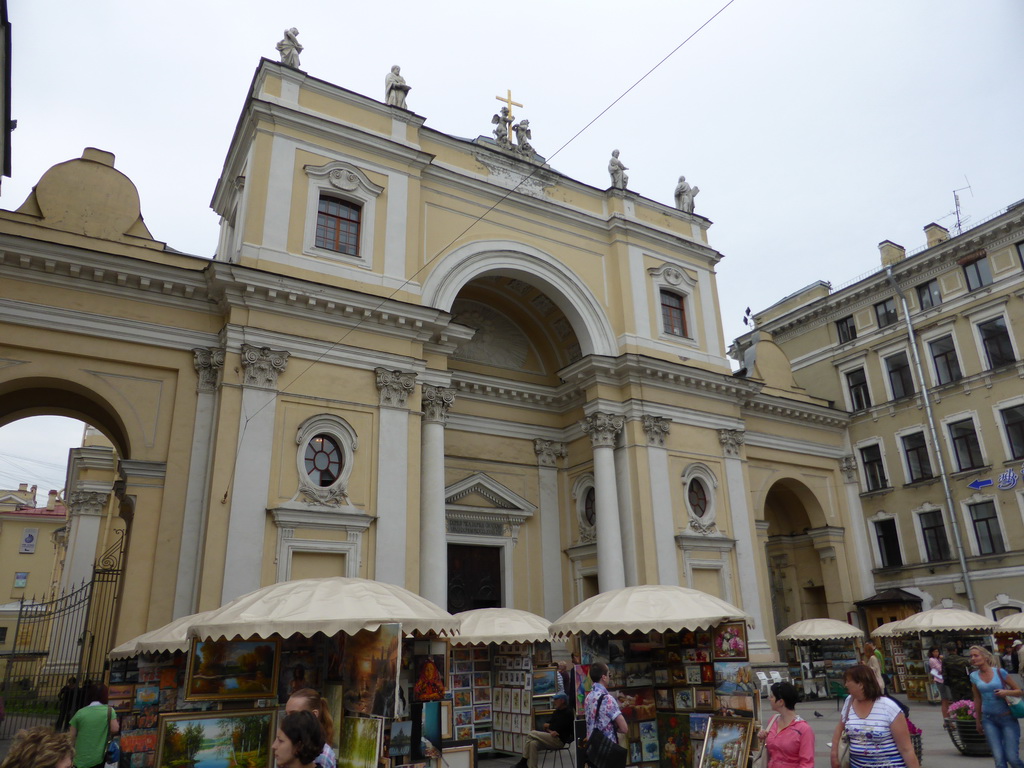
[232,669]
[216,739]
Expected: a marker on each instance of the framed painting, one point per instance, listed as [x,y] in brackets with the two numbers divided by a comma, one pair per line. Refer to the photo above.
[462,698]
[545,682]
[682,699]
[447,720]
[727,742]
[729,640]
[485,741]
[429,677]
[481,695]
[663,698]
[216,737]
[361,737]
[401,739]
[464,732]
[460,754]
[649,740]
[703,697]
[674,740]
[693,674]
[232,669]
[698,725]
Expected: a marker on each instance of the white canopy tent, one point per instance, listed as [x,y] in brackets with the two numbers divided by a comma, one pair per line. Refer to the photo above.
[501,625]
[167,639]
[821,629]
[330,605]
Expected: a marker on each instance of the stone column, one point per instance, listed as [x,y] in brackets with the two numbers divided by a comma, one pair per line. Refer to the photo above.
[656,428]
[394,388]
[743,531]
[624,502]
[208,364]
[437,401]
[858,527]
[603,428]
[548,453]
[85,515]
[243,559]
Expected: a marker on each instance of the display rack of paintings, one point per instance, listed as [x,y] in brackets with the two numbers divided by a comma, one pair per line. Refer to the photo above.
[815,665]
[472,695]
[669,685]
[512,705]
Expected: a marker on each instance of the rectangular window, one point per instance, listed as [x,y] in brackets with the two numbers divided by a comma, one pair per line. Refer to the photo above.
[858,384]
[20,579]
[1013,421]
[874,469]
[900,379]
[3,634]
[928,294]
[337,226]
[918,462]
[673,316]
[933,530]
[978,274]
[966,447]
[947,366]
[885,312]
[986,528]
[996,340]
[888,543]
[846,329]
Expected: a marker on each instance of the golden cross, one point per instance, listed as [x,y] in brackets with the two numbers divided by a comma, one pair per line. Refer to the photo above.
[508,102]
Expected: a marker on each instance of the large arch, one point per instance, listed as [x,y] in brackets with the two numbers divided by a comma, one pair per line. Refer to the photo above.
[42,396]
[512,259]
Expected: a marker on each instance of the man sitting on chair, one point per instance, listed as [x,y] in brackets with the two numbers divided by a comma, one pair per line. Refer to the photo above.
[558,732]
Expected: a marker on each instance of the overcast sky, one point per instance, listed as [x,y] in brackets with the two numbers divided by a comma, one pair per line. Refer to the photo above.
[813,129]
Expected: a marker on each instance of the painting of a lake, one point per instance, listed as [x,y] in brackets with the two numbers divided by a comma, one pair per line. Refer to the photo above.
[216,740]
[226,669]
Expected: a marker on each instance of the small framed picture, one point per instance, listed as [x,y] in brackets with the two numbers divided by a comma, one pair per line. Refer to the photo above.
[703,697]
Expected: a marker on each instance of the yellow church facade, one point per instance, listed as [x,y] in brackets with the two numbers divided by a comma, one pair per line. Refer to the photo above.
[426,360]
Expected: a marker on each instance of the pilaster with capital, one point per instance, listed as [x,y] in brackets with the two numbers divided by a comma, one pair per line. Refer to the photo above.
[549,452]
[394,387]
[603,428]
[262,365]
[436,402]
[656,428]
[732,442]
[848,466]
[208,362]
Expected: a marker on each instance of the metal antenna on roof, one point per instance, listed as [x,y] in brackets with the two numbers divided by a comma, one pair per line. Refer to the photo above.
[960,220]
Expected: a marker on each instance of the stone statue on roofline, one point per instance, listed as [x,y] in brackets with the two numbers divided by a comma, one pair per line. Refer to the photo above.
[395,88]
[617,171]
[523,135]
[684,195]
[501,122]
[290,48]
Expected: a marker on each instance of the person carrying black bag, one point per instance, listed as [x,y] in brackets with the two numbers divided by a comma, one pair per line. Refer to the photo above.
[604,718]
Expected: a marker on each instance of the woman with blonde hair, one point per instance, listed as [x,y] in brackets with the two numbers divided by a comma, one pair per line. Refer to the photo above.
[991,686]
[308,700]
[40,747]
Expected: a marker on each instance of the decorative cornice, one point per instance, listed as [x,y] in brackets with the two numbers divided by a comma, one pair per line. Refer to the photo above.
[208,362]
[262,366]
[656,428]
[437,401]
[732,441]
[549,452]
[602,428]
[394,386]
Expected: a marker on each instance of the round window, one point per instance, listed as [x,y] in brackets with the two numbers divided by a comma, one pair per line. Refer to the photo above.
[589,512]
[323,460]
[698,498]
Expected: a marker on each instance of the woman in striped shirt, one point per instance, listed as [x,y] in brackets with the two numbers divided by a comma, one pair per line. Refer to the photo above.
[877,727]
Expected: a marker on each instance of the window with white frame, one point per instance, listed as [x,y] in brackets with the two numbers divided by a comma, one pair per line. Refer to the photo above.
[1013,423]
[699,484]
[995,339]
[337,225]
[340,215]
[326,451]
[888,539]
[673,313]
[987,533]
[933,532]
[966,447]
[947,365]
[857,384]
[586,507]
[675,289]
[901,381]
[874,467]
[915,449]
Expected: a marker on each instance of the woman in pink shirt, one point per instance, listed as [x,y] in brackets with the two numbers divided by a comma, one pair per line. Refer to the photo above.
[788,738]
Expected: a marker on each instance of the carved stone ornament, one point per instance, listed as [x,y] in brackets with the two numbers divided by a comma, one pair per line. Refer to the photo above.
[334,495]
[87,502]
[731,440]
[848,465]
[602,428]
[262,365]
[656,428]
[344,176]
[394,386]
[697,526]
[549,452]
[208,363]
[437,401]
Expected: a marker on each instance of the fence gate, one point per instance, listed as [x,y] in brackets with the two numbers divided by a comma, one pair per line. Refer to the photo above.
[66,636]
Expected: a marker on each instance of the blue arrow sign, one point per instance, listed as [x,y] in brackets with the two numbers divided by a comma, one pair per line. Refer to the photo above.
[979,484]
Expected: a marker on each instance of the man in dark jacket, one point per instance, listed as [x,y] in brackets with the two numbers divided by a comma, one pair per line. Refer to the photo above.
[956,672]
[558,732]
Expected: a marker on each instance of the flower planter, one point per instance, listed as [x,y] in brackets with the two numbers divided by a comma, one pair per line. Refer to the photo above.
[915,739]
[966,738]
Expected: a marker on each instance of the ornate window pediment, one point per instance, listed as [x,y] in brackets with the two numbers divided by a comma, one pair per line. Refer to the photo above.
[481,506]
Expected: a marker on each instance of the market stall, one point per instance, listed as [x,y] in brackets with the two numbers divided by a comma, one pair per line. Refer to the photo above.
[679,666]
[501,677]
[374,651]
[909,641]
[821,652]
